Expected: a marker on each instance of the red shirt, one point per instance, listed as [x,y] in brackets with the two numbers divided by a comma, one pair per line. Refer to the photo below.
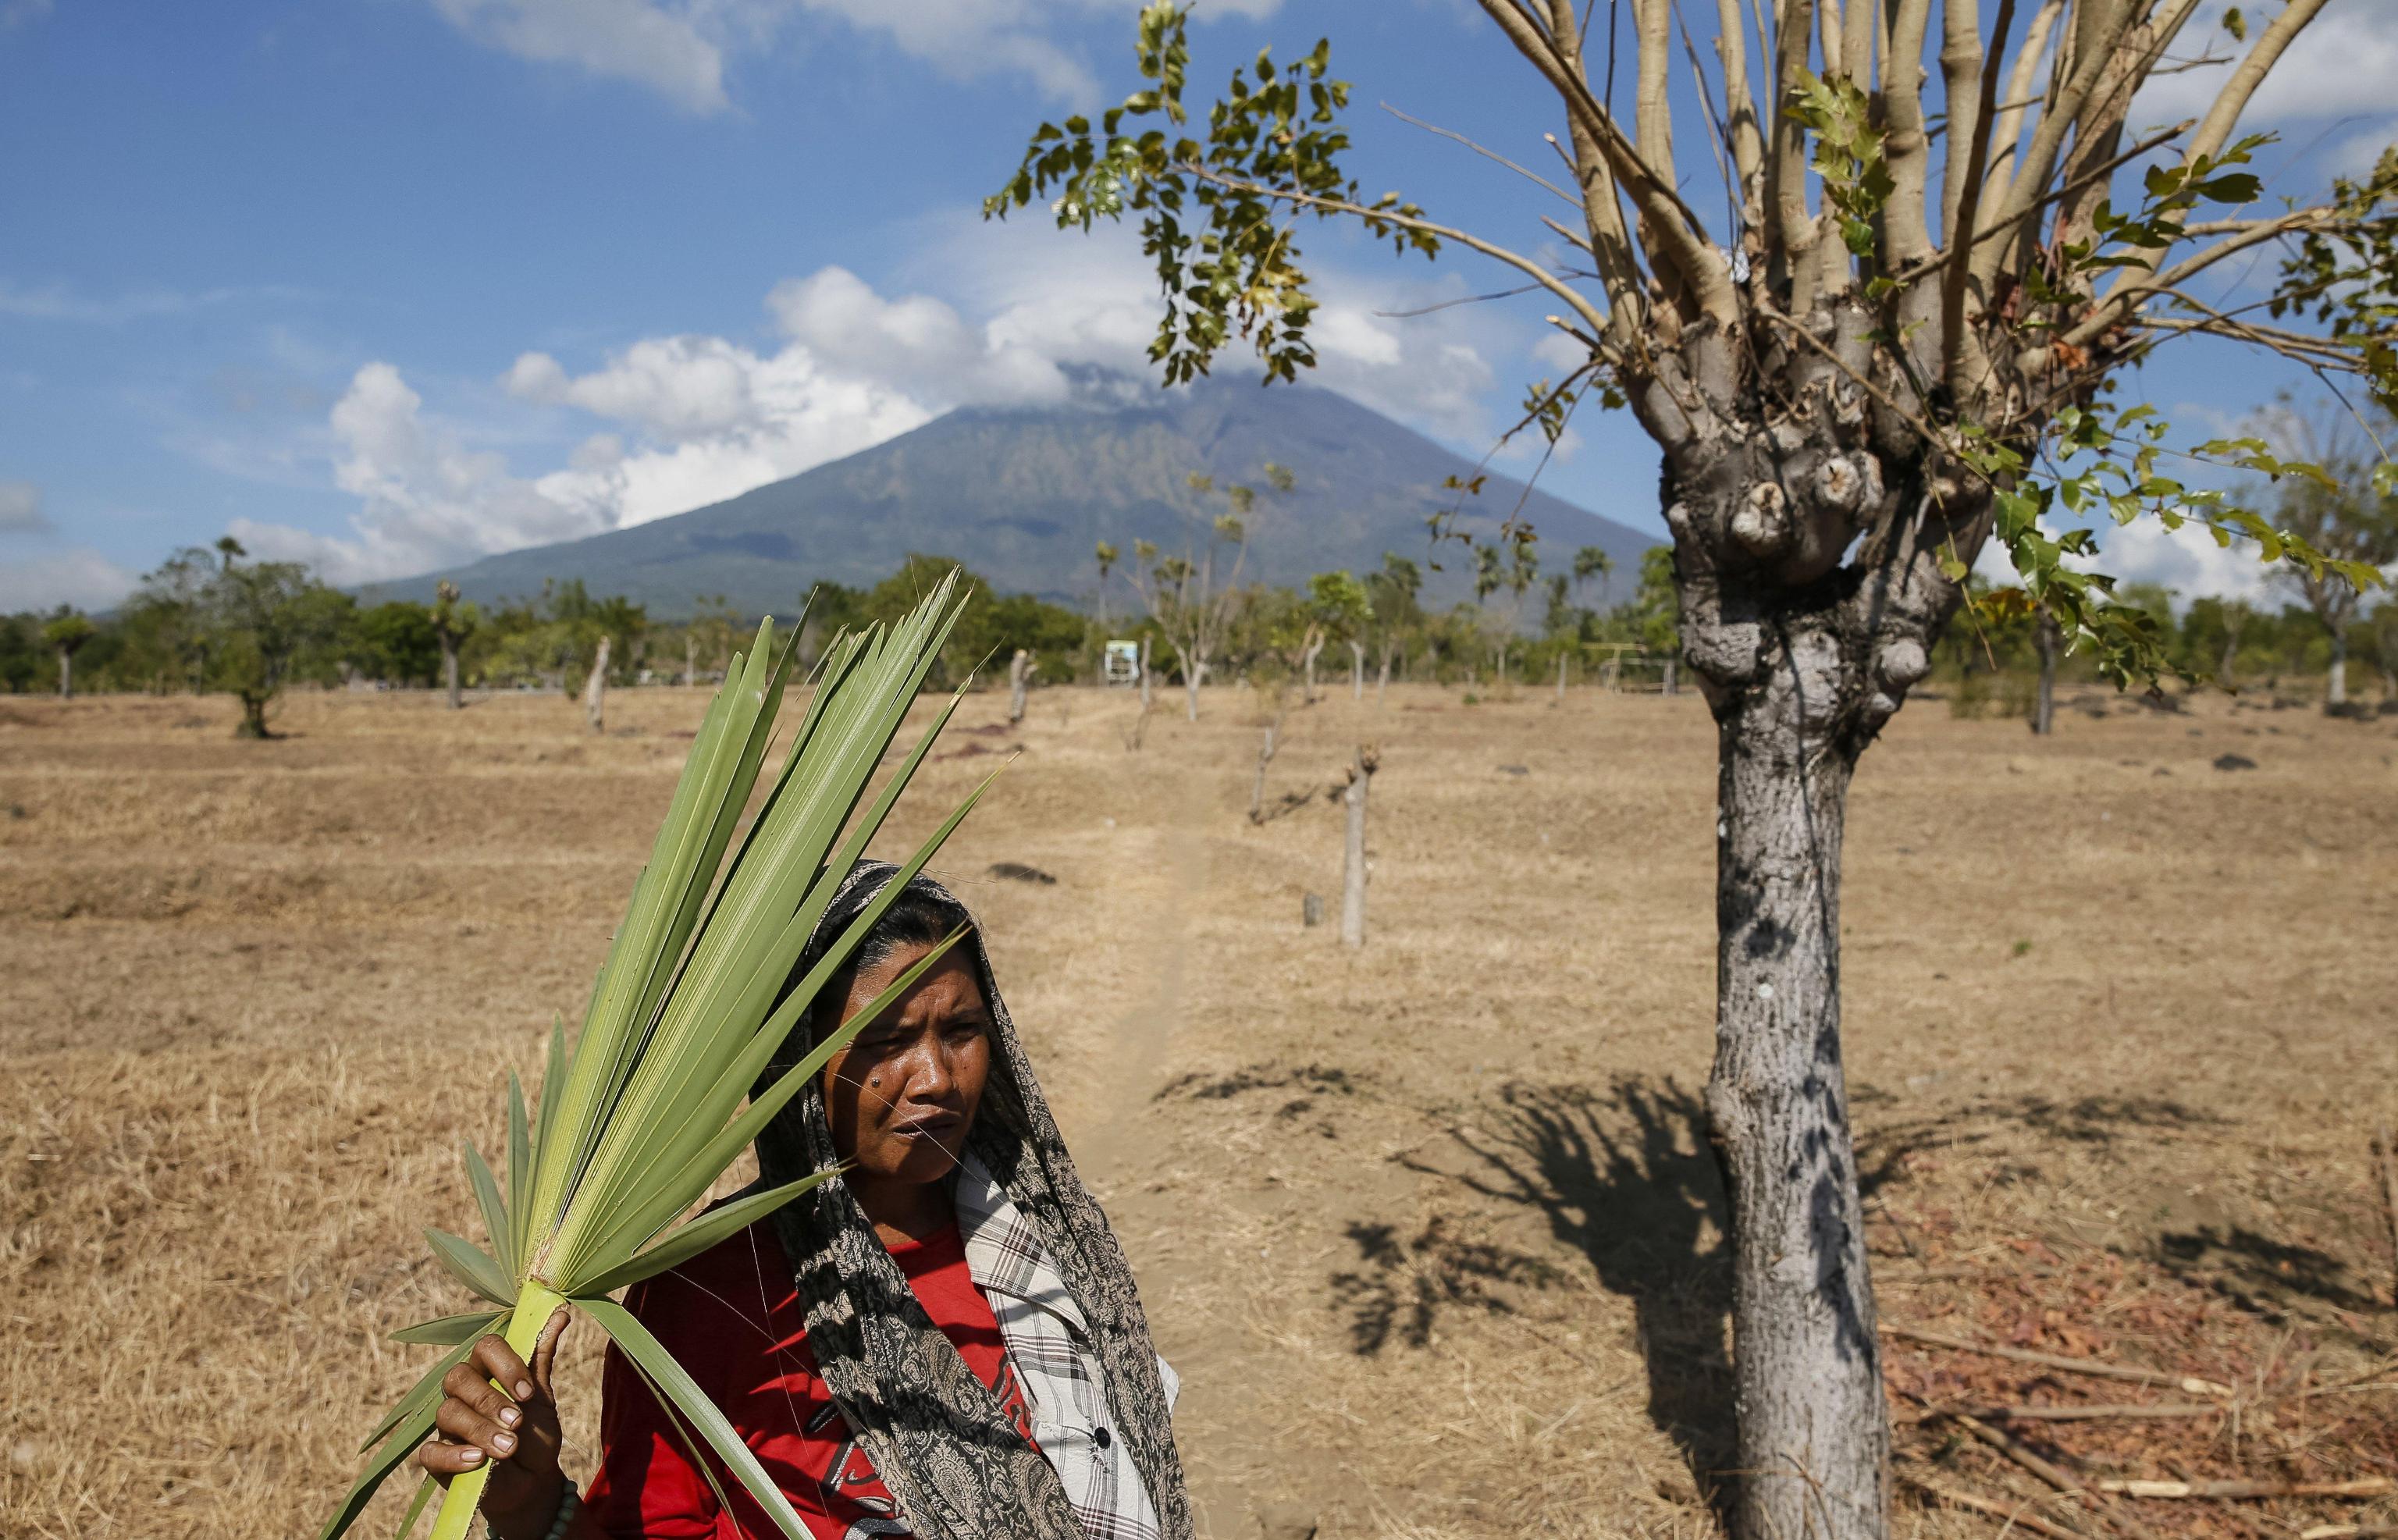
[731,1318]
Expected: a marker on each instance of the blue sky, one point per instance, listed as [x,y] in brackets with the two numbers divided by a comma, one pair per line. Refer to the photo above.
[388,284]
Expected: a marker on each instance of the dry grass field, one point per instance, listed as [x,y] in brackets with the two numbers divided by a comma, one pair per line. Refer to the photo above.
[1429,1231]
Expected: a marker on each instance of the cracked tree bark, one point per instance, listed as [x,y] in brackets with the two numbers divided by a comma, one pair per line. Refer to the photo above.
[1808,540]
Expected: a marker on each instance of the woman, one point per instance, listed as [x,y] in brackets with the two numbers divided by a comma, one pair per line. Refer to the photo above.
[944,1341]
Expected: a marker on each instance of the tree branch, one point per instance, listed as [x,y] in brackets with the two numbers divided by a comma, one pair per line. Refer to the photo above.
[2087,179]
[1961,65]
[2008,132]
[2214,130]
[2118,304]
[1609,242]
[1673,234]
[1961,348]
[2095,33]
[1524,172]
[1740,108]
[1591,313]
[1908,147]
[1789,232]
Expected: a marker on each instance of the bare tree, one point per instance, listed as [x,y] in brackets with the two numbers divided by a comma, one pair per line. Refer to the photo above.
[1020,678]
[2344,512]
[595,689]
[1265,757]
[67,634]
[1857,373]
[1393,613]
[2048,640]
[1353,849]
[452,623]
[1184,594]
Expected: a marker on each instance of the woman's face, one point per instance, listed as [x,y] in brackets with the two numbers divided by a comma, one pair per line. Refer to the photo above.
[903,1093]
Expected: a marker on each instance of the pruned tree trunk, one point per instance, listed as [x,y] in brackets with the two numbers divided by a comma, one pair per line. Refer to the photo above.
[1353,859]
[1192,672]
[2048,639]
[1315,645]
[66,673]
[2336,687]
[1561,680]
[1813,1427]
[1258,788]
[1144,676]
[1019,677]
[1805,648]
[1356,670]
[1673,680]
[1382,680]
[690,658]
[2225,673]
[595,690]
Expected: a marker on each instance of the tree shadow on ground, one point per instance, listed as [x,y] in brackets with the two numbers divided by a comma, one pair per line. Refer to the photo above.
[2267,1278]
[1623,1177]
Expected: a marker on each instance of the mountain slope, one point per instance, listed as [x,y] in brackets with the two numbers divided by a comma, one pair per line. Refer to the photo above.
[1022,494]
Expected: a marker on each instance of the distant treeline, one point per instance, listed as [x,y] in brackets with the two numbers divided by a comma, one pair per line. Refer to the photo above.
[212,620]
[1989,664]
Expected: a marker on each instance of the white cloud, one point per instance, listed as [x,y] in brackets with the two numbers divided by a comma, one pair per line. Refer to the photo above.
[76,575]
[426,497]
[673,423]
[2340,65]
[2186,562]
[680,49]
[59,303]
[658,46]
[21,508]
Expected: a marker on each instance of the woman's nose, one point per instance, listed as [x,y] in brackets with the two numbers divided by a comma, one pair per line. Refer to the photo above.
[928,1075]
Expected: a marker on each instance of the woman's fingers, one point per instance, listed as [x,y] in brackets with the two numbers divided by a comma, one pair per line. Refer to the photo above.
[463,1424]
[442,1459]
[545,1351]
[496,1359]
[470,1389]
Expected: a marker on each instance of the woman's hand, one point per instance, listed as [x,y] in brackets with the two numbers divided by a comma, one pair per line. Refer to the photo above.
[511,1426]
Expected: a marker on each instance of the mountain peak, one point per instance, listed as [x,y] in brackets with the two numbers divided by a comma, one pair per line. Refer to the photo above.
[1022,493]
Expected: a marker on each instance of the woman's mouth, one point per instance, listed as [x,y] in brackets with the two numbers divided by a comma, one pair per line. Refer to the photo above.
[927,1126]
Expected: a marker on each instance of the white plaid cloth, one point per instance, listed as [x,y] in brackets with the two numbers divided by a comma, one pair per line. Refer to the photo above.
[1051,1347]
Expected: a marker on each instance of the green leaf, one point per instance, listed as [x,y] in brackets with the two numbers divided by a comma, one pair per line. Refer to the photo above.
[659,1367]
[425,1491]
[501,1234]
[707,1230]
[386,1459]
[450,1330]
[422,1396]
[519,1167]
[471,1265]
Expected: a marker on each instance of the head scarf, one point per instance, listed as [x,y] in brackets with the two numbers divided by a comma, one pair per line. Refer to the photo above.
[946,1451]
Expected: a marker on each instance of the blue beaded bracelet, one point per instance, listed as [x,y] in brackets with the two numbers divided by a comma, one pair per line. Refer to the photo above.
[568,1503]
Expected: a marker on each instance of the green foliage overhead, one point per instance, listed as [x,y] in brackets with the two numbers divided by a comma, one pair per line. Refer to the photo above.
[1226,261]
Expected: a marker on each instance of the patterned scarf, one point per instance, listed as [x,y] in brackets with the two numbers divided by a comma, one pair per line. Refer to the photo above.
[936,1435]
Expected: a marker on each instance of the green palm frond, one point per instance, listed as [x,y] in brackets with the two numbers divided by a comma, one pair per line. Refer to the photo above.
[652,1103]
